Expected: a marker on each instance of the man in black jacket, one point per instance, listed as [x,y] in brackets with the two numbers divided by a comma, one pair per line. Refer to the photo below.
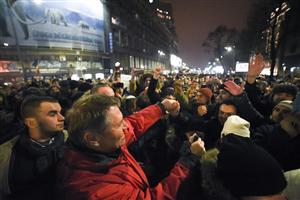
[28,161]
[284,91]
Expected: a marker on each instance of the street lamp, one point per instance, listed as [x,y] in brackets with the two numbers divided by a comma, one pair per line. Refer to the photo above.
[230,50]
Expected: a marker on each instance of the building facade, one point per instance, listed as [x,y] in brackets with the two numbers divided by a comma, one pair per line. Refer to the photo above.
[283,36]
[72,37]
[140,38]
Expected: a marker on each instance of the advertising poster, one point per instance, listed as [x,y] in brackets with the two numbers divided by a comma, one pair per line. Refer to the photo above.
[241,67]
[53,23]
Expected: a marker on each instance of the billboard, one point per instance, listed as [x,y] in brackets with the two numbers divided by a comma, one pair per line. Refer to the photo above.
[241,67]
[175,60]
[52,23]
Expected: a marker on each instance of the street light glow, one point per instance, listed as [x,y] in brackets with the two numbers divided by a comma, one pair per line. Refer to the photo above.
[5,44]
[229,48]
[117,64]
[38,1]
[161,53]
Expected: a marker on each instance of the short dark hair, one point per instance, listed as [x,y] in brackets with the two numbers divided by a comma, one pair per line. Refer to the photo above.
[288,88]
[31,103]
[88,113]
[231,102]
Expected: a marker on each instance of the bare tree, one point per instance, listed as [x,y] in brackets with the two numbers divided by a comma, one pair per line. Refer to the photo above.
[216,42]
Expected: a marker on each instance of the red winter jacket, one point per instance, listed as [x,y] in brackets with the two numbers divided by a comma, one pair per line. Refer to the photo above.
[82,177]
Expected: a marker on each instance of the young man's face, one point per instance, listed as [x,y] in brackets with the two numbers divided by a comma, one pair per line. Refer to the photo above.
[223,95]
[279,112]
[225,111]
[201,99]
[113,136]
[49,118]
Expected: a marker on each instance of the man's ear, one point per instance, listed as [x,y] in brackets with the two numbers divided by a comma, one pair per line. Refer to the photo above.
[91,140]
[31,122]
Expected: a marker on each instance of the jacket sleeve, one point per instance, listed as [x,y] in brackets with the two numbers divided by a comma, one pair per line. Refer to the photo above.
[264,107]
[167,188]
[248,111]
[152,94]
[140,122]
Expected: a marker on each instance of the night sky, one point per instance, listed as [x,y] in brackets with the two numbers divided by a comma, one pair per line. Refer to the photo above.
[194,19]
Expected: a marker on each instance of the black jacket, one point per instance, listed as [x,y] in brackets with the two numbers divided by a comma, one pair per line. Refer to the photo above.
[32,168]
[285,149]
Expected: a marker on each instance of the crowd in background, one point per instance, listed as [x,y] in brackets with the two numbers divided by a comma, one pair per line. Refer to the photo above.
[250,126]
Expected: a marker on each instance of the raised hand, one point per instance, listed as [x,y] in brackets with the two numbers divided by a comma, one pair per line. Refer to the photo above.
[202,110]
[197,145]
[175,111]
[171,106]
[256,65]
[233,88]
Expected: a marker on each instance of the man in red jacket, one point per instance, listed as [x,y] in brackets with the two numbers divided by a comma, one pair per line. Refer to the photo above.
[97,163]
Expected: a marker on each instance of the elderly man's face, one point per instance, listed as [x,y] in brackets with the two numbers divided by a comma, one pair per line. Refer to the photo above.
[113,136]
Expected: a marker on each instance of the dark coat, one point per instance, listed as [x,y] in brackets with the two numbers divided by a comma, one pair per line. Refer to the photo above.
[29,167]
[203,182]
[262,104]
[285,149]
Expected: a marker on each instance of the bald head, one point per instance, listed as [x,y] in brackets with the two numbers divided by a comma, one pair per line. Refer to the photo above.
[106,91]
[103,89]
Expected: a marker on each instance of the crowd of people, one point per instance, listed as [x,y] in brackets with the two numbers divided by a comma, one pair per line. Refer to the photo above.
[163,137]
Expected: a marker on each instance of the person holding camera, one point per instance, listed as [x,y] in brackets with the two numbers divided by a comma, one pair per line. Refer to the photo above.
[98,164]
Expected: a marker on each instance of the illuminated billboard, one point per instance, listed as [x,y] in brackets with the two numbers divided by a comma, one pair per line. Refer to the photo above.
[241,67]
[175,60]
[51,23]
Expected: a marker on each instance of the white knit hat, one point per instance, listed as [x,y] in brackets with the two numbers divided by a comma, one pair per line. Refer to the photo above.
[286,103]
[130,97]
[236,125]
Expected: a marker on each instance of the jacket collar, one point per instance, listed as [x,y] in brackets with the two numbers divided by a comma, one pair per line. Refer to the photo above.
[36,149]
[83,158]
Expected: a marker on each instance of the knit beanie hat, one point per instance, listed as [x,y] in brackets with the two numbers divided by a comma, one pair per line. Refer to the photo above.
[237,126]
[130,97]
[248,170]
[206,92]
[167,91]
